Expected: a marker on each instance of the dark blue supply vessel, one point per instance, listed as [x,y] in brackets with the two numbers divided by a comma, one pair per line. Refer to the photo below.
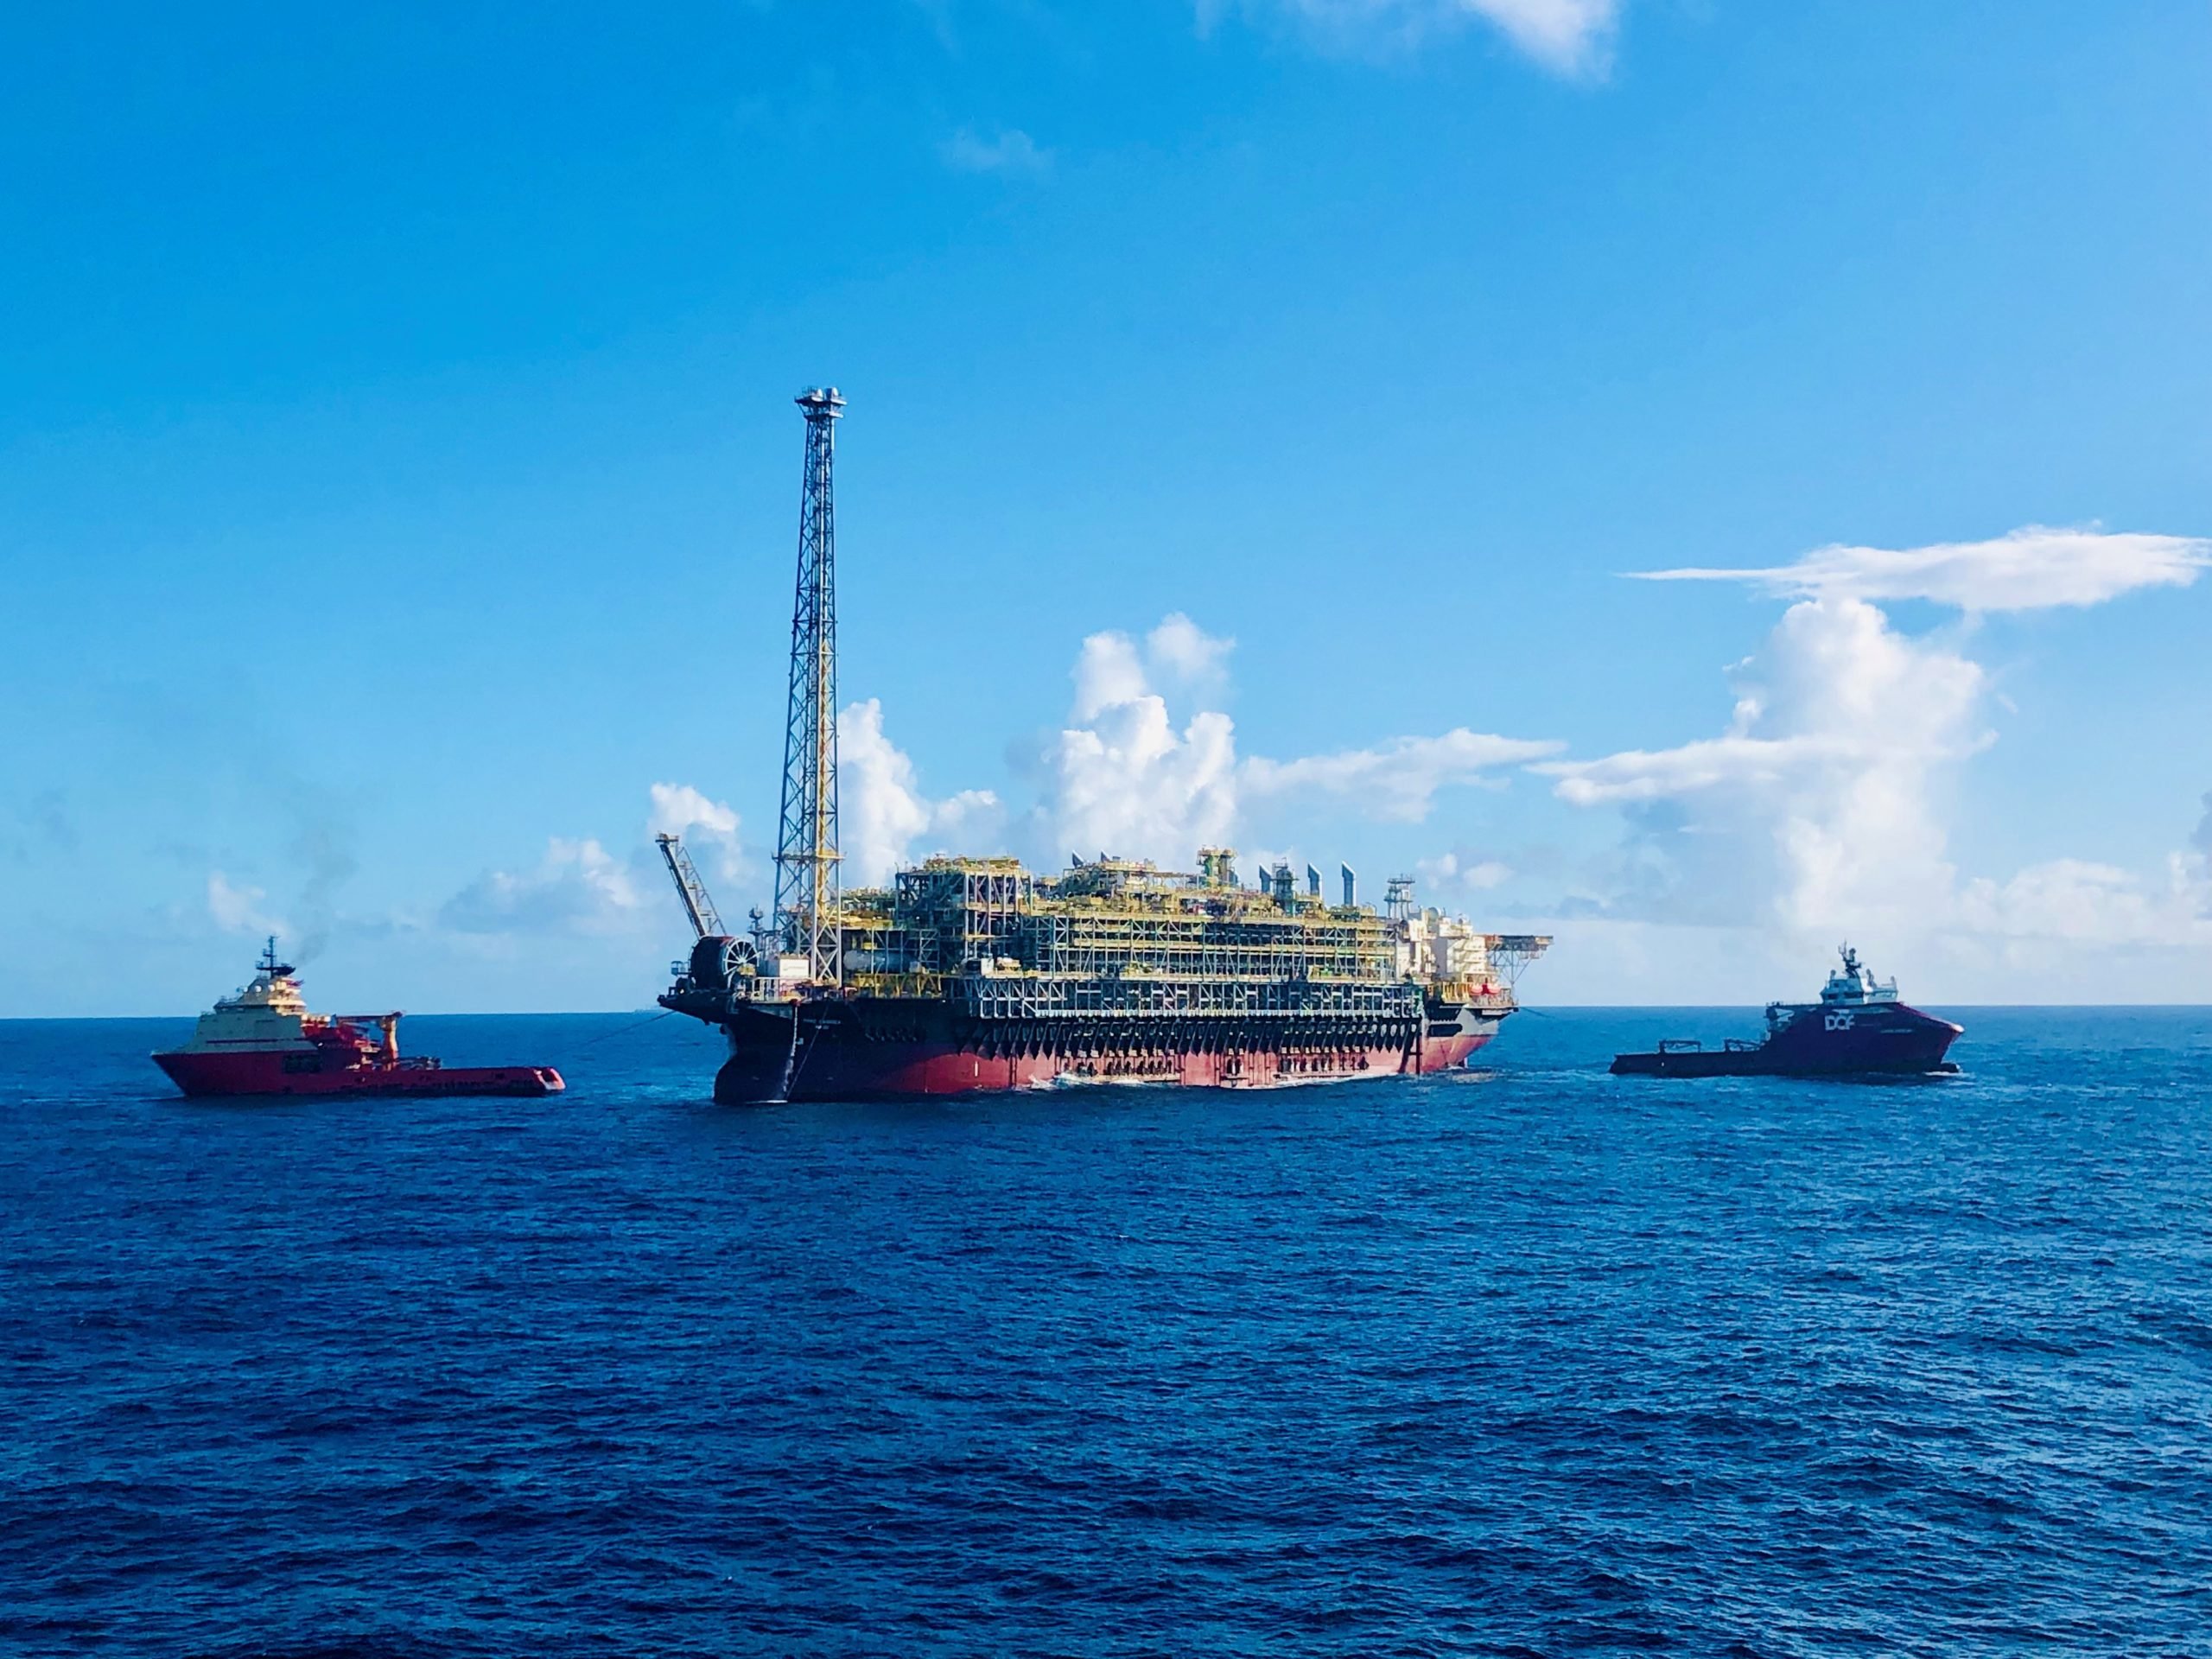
[1858,1029]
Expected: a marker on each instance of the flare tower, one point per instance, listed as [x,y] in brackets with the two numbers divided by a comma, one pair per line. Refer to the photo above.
[806,839]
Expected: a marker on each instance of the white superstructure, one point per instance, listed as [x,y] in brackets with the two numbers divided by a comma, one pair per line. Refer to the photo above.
[1854,985]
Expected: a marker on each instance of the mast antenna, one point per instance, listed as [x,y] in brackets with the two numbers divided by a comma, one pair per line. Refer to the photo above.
[806,843]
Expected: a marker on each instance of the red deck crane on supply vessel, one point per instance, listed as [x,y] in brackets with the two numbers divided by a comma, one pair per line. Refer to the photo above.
[971,973]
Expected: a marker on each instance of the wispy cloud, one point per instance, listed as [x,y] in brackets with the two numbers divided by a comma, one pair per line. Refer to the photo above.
[236,908]
[45,826]
[1397,779]
[1569,38]
[2034,568]
[1010,152]
[1462,872]
[578,886]
[2077,902]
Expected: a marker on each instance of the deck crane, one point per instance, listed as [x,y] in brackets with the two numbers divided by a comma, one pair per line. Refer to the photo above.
[706,921]
[717,961]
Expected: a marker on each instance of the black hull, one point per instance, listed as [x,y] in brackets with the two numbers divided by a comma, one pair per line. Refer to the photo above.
[1886,1040]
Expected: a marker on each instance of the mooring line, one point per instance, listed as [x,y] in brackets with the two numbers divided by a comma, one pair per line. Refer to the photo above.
[640,1025]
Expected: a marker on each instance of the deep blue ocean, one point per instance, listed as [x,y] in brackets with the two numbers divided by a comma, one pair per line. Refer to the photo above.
[1531,1361]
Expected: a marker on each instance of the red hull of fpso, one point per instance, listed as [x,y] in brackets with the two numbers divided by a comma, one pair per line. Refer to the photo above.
[268,1073]
[889,1047]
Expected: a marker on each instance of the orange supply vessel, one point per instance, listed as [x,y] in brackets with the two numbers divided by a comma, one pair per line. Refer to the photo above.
[264,1042]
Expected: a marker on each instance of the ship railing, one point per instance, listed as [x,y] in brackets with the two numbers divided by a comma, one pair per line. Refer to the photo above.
[921,985]
[1680,1045]
[1025,997]
[767,988]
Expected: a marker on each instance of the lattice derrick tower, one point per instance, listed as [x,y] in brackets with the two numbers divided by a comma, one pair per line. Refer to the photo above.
[806,840]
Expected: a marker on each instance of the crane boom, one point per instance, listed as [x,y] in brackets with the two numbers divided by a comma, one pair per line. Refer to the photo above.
[705,918]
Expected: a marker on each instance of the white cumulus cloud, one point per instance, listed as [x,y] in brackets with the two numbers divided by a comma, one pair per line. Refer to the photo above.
[681,810]
[2032,569]
[1124,777]
[1130,778]
[1127,782]
[881,810]
[1822,784]
[1821,810]
[1180,648]
[1108,672]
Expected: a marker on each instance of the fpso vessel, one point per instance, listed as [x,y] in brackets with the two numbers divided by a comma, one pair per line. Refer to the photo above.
[970,974]
[264,1042]
[974,974]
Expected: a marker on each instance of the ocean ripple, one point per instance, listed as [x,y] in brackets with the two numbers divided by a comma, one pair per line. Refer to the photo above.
[1533,1361]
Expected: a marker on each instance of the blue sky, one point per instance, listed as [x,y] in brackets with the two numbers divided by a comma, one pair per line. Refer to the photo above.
[398,474]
